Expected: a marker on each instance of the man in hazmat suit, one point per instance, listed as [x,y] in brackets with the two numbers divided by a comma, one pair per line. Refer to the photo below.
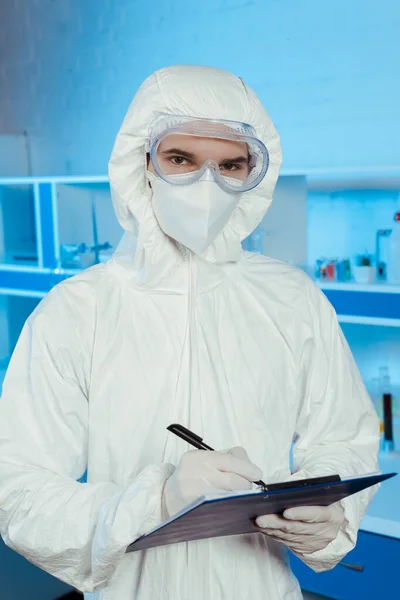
[182,326]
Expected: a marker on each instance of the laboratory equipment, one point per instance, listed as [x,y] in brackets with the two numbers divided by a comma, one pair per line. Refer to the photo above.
[388,440]
[393,259]
[339,270]
[380,256]
[386,407]
[82,256]
[254,242]
[364,271]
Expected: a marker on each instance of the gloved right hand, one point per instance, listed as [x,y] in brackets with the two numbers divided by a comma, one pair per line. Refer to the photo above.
[201,472]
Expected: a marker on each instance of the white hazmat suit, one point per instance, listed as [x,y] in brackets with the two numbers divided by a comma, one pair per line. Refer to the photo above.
[241,349]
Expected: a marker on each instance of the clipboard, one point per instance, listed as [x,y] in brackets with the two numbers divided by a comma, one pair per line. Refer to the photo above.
[216,515]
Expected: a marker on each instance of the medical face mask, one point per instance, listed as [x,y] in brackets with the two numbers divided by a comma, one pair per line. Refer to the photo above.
[194,214]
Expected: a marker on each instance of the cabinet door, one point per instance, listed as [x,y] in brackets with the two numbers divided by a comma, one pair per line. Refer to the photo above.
[379,558]
[18,226]
[20,580]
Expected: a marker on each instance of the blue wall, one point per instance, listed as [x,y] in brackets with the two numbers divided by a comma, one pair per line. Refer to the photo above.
[327,72]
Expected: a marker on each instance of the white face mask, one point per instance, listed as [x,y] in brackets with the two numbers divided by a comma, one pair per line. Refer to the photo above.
[194,214]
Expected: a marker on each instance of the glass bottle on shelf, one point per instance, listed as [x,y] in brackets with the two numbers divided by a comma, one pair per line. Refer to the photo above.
[386,385]
[376,397]
[388,408]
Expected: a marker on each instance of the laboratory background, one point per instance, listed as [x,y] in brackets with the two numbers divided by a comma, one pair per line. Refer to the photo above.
[328,74]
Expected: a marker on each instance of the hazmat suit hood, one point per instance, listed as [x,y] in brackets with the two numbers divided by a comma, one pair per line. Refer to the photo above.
[195,91]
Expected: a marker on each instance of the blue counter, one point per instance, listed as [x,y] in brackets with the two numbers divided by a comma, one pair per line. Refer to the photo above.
[369,572]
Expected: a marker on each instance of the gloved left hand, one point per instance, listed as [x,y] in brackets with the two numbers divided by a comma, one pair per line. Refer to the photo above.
[304,529]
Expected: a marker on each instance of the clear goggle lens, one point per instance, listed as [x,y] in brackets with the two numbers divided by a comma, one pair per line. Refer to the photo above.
[188,146]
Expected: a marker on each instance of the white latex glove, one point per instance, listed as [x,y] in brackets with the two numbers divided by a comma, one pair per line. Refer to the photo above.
[304,529]
[202,472]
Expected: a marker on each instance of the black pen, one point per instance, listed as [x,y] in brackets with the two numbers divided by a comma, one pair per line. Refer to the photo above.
[196,441]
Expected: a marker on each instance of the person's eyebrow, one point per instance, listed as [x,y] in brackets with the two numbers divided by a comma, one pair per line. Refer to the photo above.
[238,159]
[183,153]
[191,156]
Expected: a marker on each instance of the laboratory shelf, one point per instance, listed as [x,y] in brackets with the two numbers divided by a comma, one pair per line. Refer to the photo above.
[30,282]
[62,217]
[374,304]
[351,286]
[54,179]
[362,178]
[377,321]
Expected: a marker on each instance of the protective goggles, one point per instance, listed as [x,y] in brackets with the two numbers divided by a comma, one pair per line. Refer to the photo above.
[182,149]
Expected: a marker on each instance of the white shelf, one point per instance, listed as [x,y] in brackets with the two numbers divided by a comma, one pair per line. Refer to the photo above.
[23,268]
[381,526]
[380,322]
[27,269]
[358,178]
[351,286]
[338,172]
[55,179]
[24,293]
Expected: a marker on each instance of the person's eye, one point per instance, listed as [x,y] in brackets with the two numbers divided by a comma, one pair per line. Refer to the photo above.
[179,161]
[229,167]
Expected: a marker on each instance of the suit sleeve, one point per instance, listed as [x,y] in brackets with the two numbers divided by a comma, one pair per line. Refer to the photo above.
[77,532]
[337,429]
